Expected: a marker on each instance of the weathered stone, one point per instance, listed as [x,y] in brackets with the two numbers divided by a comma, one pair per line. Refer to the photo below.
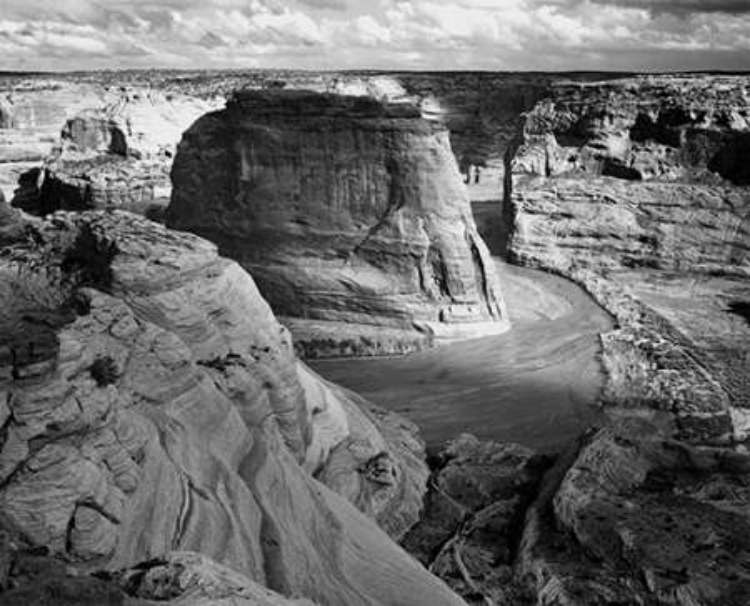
[470,529]
[350,214]
[640,519]
[157,405]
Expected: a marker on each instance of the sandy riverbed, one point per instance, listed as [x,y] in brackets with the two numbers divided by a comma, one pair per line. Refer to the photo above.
[536,384]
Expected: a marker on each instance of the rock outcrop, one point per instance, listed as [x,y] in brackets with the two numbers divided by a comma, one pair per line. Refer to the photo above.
[350,214]
[650,127]
[469,533]
[177,579]
[150,402]
[633,518]
[114,155]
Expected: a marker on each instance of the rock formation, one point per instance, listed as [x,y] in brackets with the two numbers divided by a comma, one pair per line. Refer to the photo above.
[633,188]
[651,127]
[117,155]
[479,492]
[150,402]
[631,518]
[177,579]
[350,214]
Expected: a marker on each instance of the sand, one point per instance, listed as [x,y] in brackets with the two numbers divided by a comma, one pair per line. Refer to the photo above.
[537,384]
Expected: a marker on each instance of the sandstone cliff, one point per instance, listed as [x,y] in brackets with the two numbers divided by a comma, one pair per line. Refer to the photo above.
[116,154]
[350,214]
[636,189]
[150,402]
[650,127]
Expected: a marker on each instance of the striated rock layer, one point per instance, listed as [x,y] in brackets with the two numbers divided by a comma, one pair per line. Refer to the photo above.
[150,403]
[350,213]
[117,153]
[635,188]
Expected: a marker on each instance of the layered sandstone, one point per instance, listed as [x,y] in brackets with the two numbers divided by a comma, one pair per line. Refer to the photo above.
[116,153]
[152,403]
[650,127]
[350,213]
[635,188]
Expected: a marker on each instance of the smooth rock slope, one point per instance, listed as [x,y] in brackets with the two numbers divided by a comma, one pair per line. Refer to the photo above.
[150,403]
[350,213]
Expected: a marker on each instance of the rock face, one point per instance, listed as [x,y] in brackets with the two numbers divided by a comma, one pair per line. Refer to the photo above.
[177,579]
[117,154]
[150,402]
[651,127]
[479,492]
[633,188]
[607,224]
[640,519]
[350,214]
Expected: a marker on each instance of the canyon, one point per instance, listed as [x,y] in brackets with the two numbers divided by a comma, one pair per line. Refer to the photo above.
[562,257]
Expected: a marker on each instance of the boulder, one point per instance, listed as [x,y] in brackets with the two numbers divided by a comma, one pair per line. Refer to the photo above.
[349,212]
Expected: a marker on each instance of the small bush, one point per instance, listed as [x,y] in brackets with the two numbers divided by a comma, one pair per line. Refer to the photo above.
[104,371]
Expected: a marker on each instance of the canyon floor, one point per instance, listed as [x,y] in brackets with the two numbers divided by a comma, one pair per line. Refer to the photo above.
[536,385]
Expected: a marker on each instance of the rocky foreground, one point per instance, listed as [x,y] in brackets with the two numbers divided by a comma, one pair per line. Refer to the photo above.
[151,403]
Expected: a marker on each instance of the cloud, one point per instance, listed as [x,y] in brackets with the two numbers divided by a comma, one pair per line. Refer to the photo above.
[684,7]
[628,35]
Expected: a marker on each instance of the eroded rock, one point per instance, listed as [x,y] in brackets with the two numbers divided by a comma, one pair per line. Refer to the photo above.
[469,532]
[152,403]
[640,519]
[350,213]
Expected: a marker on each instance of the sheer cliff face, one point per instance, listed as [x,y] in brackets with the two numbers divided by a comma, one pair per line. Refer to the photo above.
[652,127]
[150,402]
[350,214]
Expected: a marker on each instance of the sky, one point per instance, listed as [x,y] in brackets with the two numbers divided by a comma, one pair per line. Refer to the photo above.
[515,35]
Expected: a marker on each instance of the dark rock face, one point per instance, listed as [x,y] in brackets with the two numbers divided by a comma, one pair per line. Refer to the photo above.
[105,182]
[177,579]
[469,532]
[666,128]
[351,214]
[150,402]
[639,519]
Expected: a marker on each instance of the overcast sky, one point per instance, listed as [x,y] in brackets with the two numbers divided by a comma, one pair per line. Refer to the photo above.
[634,35]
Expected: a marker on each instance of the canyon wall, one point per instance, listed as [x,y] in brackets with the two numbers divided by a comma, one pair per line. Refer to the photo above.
[637,189]
[116,153]
[350,213]
[150,402]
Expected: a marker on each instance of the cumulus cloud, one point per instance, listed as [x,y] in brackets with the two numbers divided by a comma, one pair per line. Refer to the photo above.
[397,34]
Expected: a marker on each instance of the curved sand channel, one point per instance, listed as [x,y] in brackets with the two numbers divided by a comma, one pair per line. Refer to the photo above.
[535,385]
